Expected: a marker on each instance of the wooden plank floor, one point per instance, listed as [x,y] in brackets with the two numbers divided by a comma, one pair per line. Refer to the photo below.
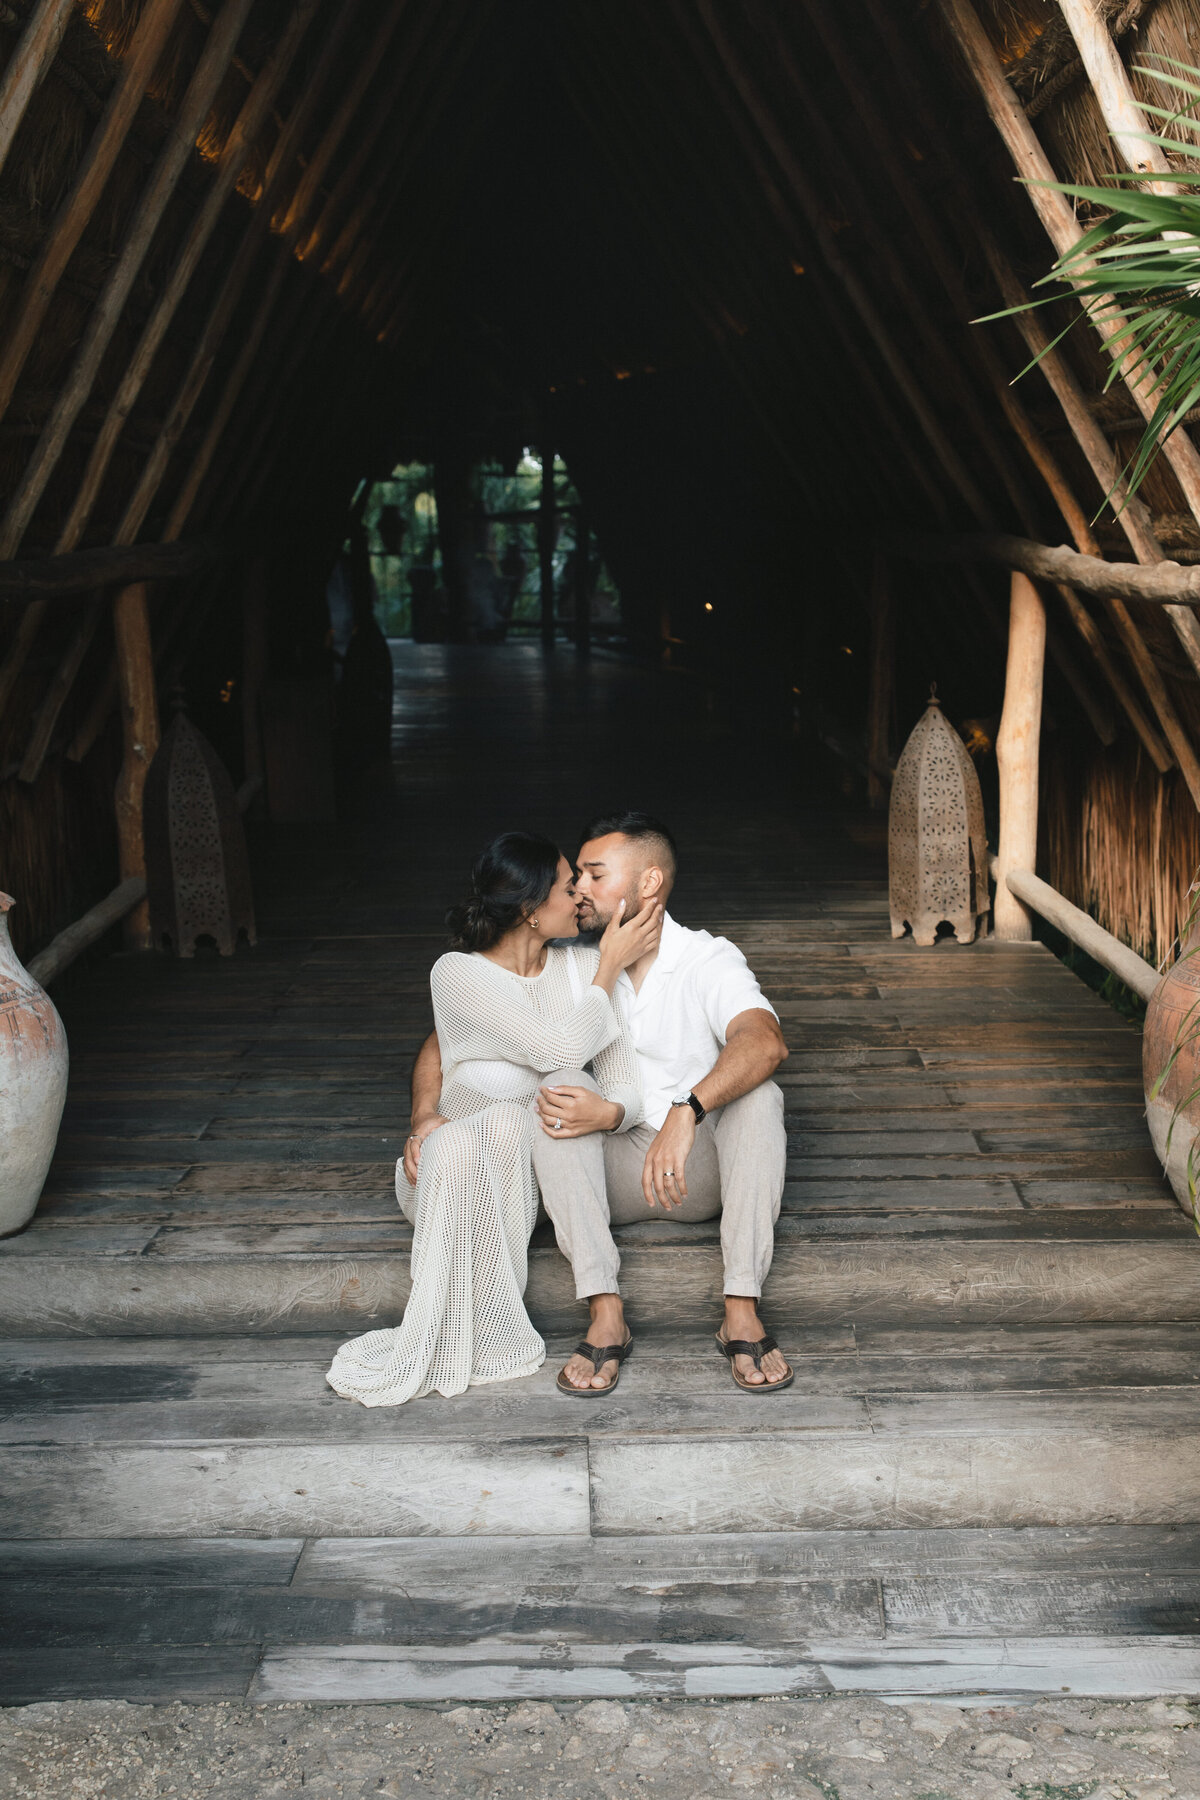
[991,1445]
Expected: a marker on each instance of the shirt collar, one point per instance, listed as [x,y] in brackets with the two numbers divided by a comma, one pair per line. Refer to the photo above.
[671,945]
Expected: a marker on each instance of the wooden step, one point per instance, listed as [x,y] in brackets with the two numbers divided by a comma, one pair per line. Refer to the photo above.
[1110,1609]
[138,1439]
[111,1280]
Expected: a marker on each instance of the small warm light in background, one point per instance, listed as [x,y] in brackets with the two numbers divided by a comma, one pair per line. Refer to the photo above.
[846,650]
[621,374]
[797,268]
[227,690]
[708,606]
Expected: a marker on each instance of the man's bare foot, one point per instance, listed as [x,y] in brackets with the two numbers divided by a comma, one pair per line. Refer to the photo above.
[742,1321]
[607,1327]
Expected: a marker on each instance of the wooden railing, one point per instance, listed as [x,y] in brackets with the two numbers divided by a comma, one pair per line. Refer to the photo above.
[1082,930]
[71,942]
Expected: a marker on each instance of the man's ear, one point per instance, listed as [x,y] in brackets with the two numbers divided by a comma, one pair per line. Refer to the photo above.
[651,884]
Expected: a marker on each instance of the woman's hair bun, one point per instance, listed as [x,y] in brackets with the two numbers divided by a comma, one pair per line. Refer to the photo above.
[510,879]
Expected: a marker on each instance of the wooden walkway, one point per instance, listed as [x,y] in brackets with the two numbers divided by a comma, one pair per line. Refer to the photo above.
[986,1477]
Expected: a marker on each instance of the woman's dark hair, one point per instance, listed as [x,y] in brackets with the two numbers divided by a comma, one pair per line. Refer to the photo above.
[510,879]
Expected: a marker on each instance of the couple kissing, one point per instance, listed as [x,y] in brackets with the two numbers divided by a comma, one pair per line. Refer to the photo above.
[621,1077]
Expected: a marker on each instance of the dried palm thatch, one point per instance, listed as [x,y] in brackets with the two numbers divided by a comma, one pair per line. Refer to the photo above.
[1123,842]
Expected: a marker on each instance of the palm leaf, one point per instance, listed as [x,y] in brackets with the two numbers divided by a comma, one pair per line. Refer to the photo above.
[1140,267]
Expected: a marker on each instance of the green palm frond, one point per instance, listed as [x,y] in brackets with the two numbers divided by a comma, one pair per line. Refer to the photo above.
[1140,268]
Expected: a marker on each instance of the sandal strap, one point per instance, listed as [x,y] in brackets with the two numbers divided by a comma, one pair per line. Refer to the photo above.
[599,1354]
[743,1347]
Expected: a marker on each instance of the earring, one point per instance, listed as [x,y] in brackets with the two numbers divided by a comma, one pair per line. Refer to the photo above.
[533,922]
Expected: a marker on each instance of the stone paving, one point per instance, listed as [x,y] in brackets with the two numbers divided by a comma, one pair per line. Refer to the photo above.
[834,1749]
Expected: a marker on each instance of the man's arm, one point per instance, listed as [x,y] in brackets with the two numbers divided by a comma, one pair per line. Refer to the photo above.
[426,1090]
[754,1049]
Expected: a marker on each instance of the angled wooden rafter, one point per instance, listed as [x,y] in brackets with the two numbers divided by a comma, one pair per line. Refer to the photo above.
[29,64]
[153,30]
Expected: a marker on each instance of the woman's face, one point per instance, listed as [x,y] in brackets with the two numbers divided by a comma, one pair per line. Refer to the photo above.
[556,914]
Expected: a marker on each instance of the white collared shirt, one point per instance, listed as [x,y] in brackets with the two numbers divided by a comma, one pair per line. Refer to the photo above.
[678,1020]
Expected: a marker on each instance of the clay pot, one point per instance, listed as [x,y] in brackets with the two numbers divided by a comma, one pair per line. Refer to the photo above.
[1173,1019]
[33,1084]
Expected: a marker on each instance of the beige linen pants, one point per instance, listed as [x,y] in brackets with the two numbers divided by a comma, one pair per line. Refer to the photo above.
[736,1168]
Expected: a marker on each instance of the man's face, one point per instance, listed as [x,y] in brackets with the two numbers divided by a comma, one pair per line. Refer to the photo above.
[609,871]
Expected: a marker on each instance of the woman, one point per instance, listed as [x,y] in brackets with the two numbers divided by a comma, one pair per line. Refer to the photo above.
[510,1007]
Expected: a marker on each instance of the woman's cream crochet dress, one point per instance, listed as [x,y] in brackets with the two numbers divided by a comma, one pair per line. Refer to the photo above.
[475,1201]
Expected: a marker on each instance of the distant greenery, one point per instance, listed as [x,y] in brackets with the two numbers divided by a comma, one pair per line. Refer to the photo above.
[401,522]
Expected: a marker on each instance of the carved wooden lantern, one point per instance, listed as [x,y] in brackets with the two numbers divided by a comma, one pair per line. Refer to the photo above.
[197,870]
[937,846]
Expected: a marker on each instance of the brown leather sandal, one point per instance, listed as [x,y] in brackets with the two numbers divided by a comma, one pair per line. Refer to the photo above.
[732,1347]
[597,1355]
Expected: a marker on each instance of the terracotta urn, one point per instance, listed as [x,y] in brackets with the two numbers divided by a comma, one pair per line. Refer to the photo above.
[1171,1043]
[33,1084]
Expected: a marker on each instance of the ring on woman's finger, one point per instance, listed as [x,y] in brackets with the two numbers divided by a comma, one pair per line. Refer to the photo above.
[558,1124]
[669,1174]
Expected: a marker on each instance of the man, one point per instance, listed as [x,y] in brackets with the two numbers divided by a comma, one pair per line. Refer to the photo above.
[712,1139]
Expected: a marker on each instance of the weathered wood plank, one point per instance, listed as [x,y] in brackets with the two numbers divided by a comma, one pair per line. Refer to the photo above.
[156,1675]
[307,1490]
[982,1666]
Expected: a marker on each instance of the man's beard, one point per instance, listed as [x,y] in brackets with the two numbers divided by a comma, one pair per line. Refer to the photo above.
[593,924]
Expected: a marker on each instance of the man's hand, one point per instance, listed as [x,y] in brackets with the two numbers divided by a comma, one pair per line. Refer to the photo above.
[576,1111]
[412,1144]
[663,1179]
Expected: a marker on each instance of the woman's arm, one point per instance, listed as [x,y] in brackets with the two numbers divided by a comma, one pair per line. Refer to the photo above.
[482,1016]
[426,1092]
[620,1079]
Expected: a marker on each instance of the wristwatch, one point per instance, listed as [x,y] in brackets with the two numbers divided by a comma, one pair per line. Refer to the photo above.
[691,1100]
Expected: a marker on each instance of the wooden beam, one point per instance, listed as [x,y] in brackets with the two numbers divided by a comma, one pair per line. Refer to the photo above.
[1017,744]
[232,160]
[176,153]
[909,78]
[1114,91]
[813,205]
[153,30]
[1162,584]
[65,577]
[75,939]
[889,155]
[1065,233]
[189,393]
[1083,930]
[29,64]
[139,712]
[237,149]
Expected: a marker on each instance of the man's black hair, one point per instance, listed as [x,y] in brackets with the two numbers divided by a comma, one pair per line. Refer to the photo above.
[640,826]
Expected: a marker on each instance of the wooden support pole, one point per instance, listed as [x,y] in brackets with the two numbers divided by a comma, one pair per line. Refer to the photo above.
[154,26]
[879,690]
[547,534]
[1017,744]
[139,713]
[28,66]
